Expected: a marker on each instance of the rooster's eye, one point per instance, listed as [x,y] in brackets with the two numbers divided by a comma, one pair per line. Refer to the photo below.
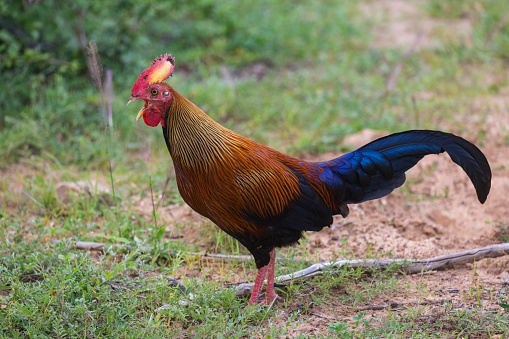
[153,91]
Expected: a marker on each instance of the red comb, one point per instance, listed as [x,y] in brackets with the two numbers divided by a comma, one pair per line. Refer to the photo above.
[160,69]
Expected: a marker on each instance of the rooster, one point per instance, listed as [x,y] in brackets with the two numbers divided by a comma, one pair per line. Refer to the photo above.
[266,199]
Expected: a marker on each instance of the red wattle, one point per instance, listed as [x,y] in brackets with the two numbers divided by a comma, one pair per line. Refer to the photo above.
[152,116]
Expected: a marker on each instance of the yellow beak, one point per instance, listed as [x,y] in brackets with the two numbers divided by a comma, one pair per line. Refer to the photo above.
[142,110]
[140,114]
[131,99]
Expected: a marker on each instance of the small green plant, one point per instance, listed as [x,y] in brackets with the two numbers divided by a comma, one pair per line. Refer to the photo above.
[341,330]
[503,231]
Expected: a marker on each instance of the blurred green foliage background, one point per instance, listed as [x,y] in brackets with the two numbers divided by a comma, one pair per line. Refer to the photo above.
[320,76]
[49,102]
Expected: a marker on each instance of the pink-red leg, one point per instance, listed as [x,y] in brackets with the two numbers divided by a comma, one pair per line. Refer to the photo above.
[260,277]
[270,294]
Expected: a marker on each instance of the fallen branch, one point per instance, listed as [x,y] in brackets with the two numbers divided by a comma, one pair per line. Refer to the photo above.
[395,306]
[99,246]
[392,79]
[410,266]
[500,24]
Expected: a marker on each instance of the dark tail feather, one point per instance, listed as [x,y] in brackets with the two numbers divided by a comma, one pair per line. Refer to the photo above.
[387,159]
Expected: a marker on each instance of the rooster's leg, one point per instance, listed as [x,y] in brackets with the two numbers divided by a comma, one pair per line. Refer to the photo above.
[270,294]
[260,277]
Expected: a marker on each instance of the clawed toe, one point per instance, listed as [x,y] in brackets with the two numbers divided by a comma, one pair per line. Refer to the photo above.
[268,300]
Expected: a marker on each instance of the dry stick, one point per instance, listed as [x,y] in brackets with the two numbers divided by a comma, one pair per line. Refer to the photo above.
[394,305]
[108,85]
[108,91]
[31,198]
[410,266]
[500,24]
[390,84]
[168,178]
[99,246]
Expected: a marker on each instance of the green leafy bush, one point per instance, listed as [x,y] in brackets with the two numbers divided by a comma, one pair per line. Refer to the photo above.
[49,104]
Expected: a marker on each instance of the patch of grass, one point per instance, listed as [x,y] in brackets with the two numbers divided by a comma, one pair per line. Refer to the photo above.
[503,231]
[59,291]
[67,293]
[489,25]
[425,322]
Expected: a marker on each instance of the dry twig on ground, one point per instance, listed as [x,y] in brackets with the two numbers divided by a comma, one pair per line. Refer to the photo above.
[409,266]
[99,246]
[400,305]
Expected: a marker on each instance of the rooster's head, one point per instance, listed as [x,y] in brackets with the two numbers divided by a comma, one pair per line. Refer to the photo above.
[155,93]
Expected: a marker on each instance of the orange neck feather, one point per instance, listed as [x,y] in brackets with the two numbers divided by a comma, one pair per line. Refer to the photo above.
[196,141]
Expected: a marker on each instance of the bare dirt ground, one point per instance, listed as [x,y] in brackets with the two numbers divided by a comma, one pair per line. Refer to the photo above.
[400,21]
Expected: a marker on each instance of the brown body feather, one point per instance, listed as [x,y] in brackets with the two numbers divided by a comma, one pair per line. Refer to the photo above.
[227,177]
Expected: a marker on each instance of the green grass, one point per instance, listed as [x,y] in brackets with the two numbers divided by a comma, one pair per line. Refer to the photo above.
[56,291]
[419,323]
[324,78]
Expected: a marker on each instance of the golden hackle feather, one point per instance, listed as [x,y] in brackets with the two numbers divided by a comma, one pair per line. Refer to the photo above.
[223,175]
